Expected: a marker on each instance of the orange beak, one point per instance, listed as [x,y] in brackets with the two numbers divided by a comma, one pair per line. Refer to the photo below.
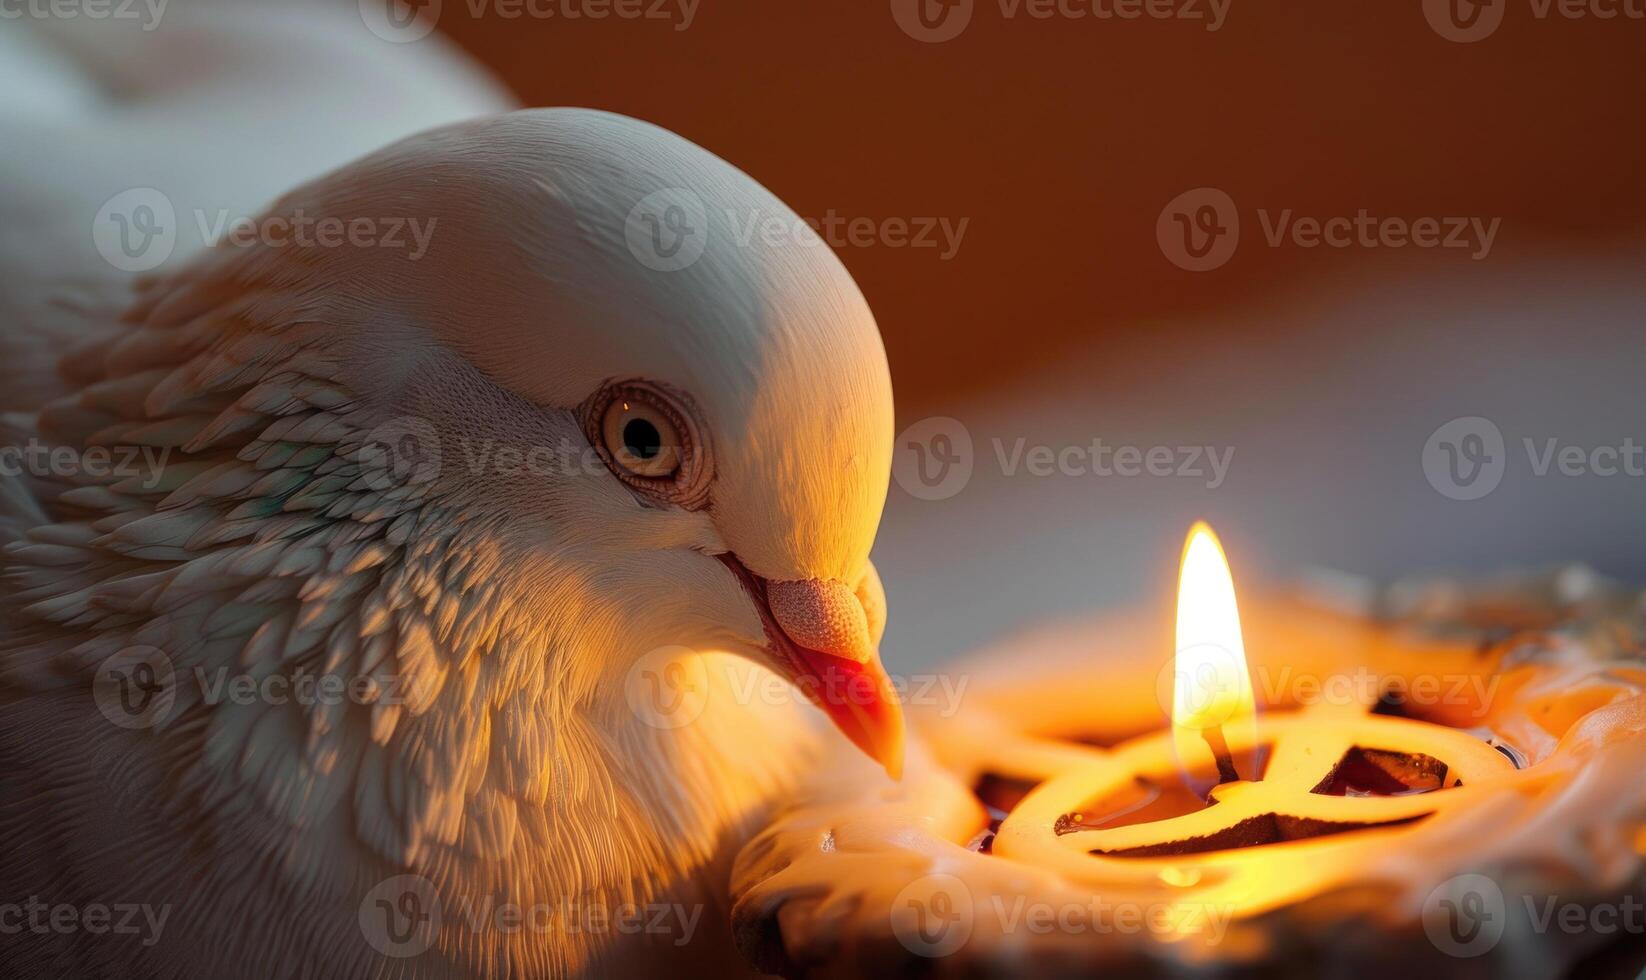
[819,639]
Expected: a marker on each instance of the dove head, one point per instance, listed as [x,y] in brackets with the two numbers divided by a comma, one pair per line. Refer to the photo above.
[664,388]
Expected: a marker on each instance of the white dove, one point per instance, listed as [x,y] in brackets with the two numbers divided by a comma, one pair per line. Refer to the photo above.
[476,490]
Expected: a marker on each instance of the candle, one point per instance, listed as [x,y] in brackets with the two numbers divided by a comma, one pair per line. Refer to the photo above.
[1284,830]
[1321,826]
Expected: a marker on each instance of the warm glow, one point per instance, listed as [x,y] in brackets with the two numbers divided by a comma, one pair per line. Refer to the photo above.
[1212,688]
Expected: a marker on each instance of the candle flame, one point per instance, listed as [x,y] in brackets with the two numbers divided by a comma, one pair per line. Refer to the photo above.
[1212,686]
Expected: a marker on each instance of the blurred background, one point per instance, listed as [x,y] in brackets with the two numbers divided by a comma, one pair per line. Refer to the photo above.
[1058,140]
[1050,313]
[1381,263]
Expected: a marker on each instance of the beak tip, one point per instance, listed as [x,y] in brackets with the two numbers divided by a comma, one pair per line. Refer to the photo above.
[886,743]
[885,748]
[894,765]
[886,736]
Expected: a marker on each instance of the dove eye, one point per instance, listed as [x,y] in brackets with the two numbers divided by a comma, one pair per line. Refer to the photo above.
[648,436]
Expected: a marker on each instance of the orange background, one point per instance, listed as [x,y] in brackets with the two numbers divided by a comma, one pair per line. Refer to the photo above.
[1060,140]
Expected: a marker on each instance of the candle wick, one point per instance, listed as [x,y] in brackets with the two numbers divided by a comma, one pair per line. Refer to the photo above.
[1226,771]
